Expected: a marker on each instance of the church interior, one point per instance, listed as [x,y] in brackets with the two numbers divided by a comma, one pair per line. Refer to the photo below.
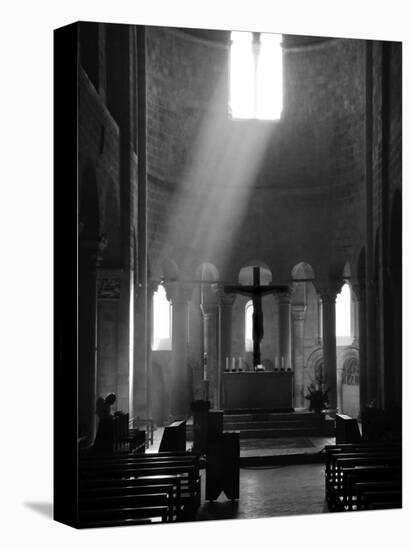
[240,253]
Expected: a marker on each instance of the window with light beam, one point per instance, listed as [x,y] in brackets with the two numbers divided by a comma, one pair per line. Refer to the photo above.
[256,76]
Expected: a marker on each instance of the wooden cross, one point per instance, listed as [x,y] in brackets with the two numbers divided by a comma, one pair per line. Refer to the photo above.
[256,291]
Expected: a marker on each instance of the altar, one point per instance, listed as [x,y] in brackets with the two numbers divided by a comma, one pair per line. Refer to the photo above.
[257,390]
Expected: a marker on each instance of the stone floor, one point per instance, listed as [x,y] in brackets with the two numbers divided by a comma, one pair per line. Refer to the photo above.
[266,447]
[271,492]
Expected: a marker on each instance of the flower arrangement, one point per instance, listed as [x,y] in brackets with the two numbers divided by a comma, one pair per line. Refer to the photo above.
[318,395]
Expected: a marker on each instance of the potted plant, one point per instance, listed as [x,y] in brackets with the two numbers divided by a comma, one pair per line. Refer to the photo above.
[317,396]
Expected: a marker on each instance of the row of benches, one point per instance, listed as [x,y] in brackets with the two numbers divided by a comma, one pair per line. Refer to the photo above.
[363,476]
[130,489]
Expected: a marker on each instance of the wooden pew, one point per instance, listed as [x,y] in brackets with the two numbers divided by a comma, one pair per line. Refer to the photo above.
[149,484]
[174,437]
[339,460]
[384,505]
[101,503]
[118,516]
[120,474]
[107,460]
[369,499]
[114,435]
[352,476]
[349,464]
[367,487]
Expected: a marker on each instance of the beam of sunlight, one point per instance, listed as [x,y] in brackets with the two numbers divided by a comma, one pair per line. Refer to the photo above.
[213,197]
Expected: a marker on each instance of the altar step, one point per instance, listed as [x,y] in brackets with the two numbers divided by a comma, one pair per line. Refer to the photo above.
[272,425]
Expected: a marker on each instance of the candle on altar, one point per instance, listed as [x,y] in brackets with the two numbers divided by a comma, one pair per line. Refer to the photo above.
[282,363]
[233,363]
[227,364]
[205,366]
[240,363]
[276,362]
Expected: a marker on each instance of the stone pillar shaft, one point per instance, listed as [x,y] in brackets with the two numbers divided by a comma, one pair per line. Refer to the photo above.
[371,334]
[284,329]
[298,316]
[210,341]
[329,344]
[180,405]
[359,291]
[224,337]
[89,259]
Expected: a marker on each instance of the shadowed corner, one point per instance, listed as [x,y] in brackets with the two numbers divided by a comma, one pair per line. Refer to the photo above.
[43,508]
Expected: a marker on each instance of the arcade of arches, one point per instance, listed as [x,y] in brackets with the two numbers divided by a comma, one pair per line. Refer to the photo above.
[175,193]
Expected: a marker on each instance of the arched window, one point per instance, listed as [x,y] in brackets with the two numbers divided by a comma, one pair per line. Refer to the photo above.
[162,339]
[249,326]
[256,72]
[343,317]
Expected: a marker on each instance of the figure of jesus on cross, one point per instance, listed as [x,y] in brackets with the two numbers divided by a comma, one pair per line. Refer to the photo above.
[255,292]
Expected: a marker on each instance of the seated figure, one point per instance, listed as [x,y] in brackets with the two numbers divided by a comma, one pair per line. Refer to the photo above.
[104,436]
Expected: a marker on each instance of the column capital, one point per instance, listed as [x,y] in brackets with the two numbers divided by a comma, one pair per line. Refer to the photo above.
[179,292]
[329,290]
[225,299]
[298,313]
[284,296]
[209,309]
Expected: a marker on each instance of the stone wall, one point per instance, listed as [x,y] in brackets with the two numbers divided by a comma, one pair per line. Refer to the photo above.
[308,167]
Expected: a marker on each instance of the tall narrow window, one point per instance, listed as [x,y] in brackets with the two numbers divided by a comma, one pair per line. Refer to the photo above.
[161,321]
[249,326]
[256,79]
[343,317]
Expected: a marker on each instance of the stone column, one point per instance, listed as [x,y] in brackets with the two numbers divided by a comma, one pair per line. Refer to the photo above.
[284,328]
[140,367]
[210,317]
[328,297]
[359,292]
[90,256]
[373,336]
[319,320]
[151,289]
[339,396]
[225,302]
[298,317]
[180,295]
[109,333]
[354,317]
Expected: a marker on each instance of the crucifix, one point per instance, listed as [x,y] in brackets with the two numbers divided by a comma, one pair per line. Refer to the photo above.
[256,291]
